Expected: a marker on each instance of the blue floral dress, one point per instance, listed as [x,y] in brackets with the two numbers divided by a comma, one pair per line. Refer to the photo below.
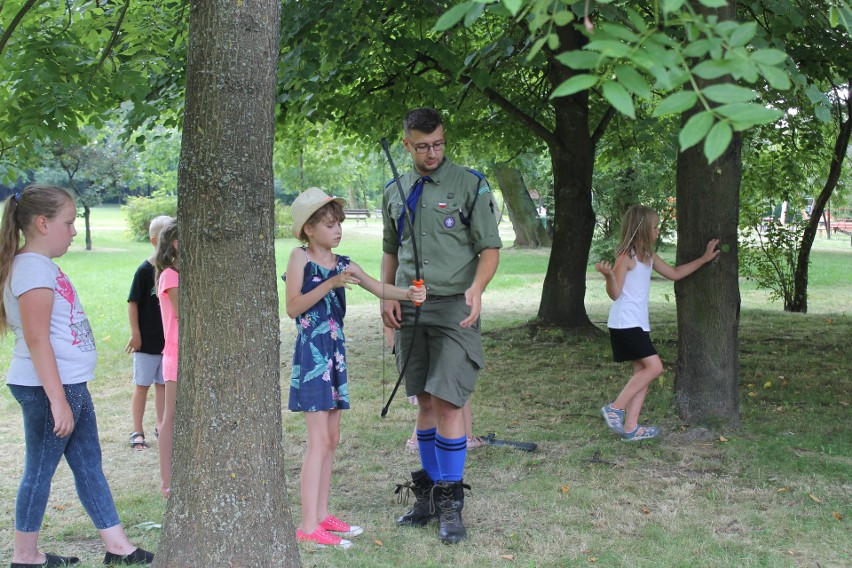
[318,381]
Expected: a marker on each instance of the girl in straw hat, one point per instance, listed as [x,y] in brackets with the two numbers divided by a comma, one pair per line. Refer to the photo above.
[316,280]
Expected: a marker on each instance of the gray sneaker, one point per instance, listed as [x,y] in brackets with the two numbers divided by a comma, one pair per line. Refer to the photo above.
[614,418]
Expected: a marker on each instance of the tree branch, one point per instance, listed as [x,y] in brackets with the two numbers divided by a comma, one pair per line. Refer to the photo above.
[113,39]
[14,23]
[540,130]
[604,122]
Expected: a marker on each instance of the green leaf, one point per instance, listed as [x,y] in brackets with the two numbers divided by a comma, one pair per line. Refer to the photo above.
[670,6]
[743,34]
[609,47]
[632,80]
[513,6]
[769,56]
[714,3]
[539,43]
[698,48]
[713,68]
[563,18]
[728,93]
[453,16]
[473,14]
[678,102]
[717,141]
[823,114]
[619,98]
[777,78]
[578,59]
[573,85]
[619,31]
[695,129]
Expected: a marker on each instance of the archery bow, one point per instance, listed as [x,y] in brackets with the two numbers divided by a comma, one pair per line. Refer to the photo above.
[418,280]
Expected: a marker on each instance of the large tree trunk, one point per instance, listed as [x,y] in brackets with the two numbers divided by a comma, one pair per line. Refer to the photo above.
[229,503]
[708,301]
[800,277]
[573,157]
[529,231]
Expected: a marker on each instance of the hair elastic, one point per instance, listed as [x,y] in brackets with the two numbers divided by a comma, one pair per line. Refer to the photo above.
[17,196]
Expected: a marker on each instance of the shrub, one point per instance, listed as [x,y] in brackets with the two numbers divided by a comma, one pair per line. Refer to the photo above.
[768,256]
[140,211]
[283,220]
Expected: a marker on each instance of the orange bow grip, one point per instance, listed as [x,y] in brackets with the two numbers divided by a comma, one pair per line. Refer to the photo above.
[417,284]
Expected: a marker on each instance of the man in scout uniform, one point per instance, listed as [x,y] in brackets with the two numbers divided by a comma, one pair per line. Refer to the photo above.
[455,240]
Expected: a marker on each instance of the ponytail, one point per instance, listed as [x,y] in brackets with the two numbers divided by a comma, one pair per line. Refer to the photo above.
[18,213]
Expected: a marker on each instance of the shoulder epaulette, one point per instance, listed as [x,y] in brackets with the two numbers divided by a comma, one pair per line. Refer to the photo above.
[480,175]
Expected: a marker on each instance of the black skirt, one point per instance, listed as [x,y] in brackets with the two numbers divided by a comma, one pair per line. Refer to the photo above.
[630,344]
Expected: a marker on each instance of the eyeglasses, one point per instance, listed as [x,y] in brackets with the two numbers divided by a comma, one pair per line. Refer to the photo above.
[424,148]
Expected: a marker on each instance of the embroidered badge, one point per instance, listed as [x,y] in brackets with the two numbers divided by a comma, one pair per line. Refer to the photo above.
[484,189]
[449,222]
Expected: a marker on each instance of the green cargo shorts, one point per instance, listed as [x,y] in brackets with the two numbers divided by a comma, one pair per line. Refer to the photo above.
[445,358]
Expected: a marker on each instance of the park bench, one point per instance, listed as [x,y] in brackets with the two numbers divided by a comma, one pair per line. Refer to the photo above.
[358,215]
[843,226]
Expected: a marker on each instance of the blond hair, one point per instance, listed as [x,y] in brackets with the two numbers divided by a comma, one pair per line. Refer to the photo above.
[637,233]
[157,224]
[167,253]
[20,211]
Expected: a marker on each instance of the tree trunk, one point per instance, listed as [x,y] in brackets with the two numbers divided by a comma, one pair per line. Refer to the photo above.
[708,301]
[229,503]
[529,231]
[800,278]
[572,155]
[87,223]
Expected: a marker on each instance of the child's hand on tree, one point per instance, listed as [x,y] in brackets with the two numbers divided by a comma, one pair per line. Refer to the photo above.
[712,250]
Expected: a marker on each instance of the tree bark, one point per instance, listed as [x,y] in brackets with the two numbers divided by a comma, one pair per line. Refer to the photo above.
[572,154]
[708,301]
[800,277]
[529,231]
[229,503]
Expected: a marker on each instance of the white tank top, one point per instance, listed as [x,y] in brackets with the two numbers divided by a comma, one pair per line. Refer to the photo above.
[631,308]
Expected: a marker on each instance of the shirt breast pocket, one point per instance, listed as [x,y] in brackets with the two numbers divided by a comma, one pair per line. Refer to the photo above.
[448,216]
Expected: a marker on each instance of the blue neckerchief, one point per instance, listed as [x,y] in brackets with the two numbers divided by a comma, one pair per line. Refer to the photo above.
[411,204]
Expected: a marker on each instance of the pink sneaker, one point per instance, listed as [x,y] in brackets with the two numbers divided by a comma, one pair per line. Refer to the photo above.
[322,538]
[333,524]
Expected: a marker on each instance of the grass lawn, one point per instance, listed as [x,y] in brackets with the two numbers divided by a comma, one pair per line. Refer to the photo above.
[775,492]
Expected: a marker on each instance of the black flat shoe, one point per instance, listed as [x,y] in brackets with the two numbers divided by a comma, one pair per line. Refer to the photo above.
[51,561]
[138,556]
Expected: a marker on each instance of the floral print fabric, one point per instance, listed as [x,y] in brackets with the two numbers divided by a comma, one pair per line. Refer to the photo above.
[318,380]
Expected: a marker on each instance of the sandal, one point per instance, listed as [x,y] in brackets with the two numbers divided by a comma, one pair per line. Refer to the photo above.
[475,442]
[411,446]
[614,418]
[640,433]
[137,445]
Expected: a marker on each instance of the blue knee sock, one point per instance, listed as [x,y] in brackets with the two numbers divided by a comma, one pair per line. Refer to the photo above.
[451,457]
[426,445]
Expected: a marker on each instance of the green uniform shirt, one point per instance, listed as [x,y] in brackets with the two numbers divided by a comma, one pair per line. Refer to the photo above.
[448,248]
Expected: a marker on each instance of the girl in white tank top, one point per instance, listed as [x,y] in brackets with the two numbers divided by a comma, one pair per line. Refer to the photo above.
[628,283]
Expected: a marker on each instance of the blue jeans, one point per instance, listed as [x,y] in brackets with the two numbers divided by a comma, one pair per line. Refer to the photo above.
[44,449]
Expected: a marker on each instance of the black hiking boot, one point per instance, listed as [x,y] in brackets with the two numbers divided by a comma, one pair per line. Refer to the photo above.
[449,501]
[421,486]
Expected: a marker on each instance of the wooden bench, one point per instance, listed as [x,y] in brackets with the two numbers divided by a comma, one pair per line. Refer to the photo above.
[358,215]
[844,231]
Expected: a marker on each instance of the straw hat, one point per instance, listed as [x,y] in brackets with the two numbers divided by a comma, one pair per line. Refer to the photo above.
[307,204]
